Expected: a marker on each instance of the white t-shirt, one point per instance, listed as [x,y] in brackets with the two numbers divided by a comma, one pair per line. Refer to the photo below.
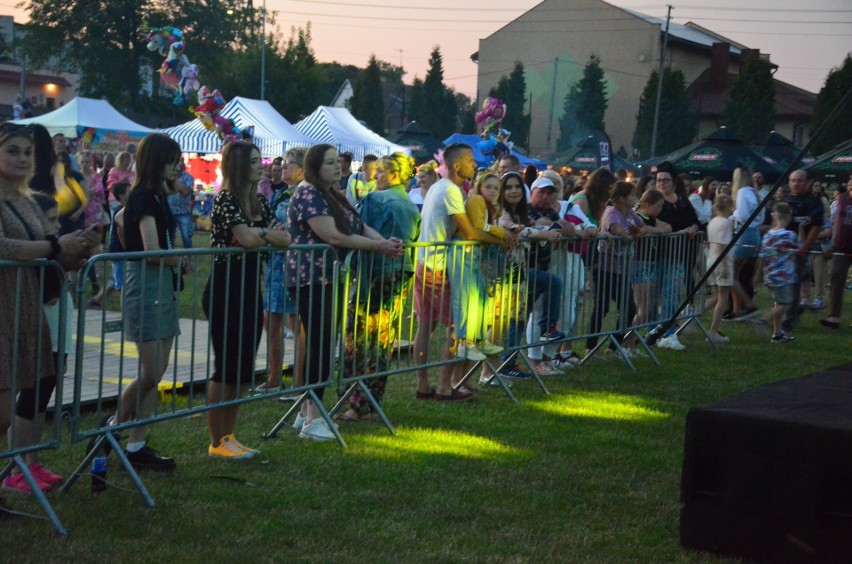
[416,196]
[443,200]
[703,208]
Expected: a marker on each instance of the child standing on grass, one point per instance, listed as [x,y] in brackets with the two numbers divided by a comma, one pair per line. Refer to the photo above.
[777,259]
[116,229]
[720,231]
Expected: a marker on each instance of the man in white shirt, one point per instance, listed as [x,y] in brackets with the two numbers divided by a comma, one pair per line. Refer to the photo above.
[363,182]
[443,217]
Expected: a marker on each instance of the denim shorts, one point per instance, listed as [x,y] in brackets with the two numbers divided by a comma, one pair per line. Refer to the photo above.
[783,295]
[644,272]
[275,299]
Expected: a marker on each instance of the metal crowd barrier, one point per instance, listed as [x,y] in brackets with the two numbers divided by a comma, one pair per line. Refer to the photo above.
[33,317]
[108,363]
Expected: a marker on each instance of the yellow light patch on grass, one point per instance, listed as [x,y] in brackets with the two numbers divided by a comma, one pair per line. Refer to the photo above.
[601,405]
[432,442]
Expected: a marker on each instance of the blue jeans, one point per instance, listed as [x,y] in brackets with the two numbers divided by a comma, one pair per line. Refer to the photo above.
[187,228]
[673,291]
[541,282]
[468,292]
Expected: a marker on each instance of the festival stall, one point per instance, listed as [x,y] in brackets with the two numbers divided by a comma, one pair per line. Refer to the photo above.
[338,127]
[95,123]
[271,132]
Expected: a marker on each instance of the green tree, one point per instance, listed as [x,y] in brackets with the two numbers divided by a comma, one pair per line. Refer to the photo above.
[512,90]
[433,105]
[750,112]
[837,83]
[585,106]
[104,39]
[368,98]
[677,126]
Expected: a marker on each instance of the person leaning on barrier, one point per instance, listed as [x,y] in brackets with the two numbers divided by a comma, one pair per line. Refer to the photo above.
[675,253]
[444,216]
[27,365]
[231,300]
[381,284]
[318,214]
[151,287]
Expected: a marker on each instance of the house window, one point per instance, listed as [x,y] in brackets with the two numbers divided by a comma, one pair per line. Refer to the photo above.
[51,103]
[798,135]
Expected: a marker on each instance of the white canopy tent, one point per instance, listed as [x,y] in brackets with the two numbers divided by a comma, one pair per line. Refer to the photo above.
[95,121]
[338,127]
[273,134]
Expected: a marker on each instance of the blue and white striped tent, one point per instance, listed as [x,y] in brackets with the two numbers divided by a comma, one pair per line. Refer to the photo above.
[338,127]
[273,134]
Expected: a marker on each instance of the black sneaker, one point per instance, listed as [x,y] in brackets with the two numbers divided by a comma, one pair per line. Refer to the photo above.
[515,374]
[147,459]
[782,338]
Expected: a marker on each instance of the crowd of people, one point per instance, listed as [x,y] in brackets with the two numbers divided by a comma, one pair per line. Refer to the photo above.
[543,242]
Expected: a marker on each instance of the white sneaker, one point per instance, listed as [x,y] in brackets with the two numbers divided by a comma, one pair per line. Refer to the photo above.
[317,430]
[671,342]
[470,352]
[546,369]
[488,348]
[483,380]
[299,422]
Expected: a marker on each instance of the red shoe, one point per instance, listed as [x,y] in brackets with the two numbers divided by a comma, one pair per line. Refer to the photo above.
[42,474]
[18,483]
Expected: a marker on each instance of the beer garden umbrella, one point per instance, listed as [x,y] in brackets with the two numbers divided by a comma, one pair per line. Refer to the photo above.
[835,165]
[718,155]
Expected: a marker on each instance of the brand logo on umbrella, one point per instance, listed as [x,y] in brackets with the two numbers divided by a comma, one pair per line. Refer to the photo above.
[843,159]
[586,158]
[705,155]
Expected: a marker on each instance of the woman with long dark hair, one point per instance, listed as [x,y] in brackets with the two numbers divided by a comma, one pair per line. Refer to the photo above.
[319,214]
[151,286]
[232,301]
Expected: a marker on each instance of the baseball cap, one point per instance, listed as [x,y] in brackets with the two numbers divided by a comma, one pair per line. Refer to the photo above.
[543,182]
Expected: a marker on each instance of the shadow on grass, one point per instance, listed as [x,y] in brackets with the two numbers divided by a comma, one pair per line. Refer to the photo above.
[427,443]
[601,405]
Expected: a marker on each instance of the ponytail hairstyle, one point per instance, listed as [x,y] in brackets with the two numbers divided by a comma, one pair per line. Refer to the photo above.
[402,164]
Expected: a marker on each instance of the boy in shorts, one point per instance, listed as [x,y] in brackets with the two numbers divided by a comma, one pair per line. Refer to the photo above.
[777,260]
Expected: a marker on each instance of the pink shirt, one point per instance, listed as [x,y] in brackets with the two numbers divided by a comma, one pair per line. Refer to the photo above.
[117,175]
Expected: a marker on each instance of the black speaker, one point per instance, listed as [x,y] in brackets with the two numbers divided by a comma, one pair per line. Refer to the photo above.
[767,474]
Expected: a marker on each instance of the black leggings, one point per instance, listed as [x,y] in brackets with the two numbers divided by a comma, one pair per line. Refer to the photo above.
[314,304]
[609,287]
[26,404]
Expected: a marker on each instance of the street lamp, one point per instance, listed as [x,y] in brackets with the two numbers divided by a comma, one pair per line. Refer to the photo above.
[262,50]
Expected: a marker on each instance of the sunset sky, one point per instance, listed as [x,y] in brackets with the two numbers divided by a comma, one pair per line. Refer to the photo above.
[806,39]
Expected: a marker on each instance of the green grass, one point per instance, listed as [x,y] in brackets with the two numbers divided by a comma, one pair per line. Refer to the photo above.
[591,472]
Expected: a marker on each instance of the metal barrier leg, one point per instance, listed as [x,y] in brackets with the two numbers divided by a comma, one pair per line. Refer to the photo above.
[526,359]
[495,373]
[81,469]
[131,471]
[620,351]
[638,336]
[39,495]
[700,326]
[272,433]
[377,409]
[326,417]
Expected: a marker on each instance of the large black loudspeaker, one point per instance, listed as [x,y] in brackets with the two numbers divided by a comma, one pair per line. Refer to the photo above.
[767,474]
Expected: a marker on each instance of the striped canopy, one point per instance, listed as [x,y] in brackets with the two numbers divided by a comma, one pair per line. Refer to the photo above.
[273,134]
[338,127]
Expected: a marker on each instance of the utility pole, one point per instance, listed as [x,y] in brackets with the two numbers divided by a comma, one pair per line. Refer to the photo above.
[552,101]
[659,84]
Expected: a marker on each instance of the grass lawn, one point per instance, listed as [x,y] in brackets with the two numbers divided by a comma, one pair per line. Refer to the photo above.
[591,472]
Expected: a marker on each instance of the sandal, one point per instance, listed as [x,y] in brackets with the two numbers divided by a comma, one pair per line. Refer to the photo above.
[347,417]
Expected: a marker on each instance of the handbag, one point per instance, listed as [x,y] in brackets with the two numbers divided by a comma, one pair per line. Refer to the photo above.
[52,278]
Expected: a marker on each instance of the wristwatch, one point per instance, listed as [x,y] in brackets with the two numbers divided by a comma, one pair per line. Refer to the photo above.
[55,247]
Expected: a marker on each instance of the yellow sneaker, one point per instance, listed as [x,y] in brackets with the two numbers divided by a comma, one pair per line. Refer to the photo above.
[230,447]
